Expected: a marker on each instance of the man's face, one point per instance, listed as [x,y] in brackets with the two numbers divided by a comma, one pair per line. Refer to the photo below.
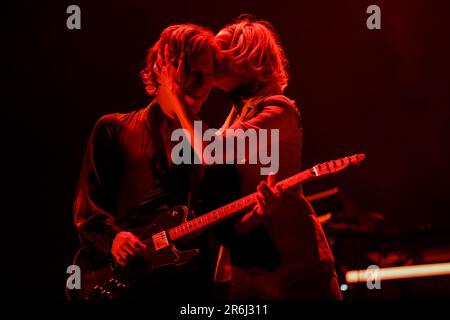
[198,79]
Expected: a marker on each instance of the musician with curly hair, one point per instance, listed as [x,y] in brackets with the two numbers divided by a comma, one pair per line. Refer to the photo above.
[283,253]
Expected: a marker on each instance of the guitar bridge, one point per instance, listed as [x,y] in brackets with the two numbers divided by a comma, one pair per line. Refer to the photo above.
[160,240]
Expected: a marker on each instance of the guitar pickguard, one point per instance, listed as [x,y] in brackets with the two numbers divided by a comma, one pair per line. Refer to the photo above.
[107,280]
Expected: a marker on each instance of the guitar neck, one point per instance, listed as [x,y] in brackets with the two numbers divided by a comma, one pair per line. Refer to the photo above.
[231,209]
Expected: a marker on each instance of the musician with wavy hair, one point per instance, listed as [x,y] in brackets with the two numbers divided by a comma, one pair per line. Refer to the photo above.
[128,165]
[283,252]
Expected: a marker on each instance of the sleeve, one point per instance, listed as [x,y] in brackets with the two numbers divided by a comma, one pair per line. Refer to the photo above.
[257,249]
[93,209]
[270,117]
[279,116]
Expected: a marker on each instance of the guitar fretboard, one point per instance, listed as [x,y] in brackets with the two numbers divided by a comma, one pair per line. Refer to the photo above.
[217,215]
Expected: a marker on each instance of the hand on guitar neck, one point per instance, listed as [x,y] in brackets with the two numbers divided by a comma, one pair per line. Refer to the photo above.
[268,199]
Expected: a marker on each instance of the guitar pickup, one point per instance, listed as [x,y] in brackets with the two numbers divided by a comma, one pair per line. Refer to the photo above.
[160,240]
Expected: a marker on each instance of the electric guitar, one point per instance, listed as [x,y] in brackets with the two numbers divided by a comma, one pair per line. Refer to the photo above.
[105,280]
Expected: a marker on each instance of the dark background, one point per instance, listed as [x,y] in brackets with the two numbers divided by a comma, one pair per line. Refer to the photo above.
[381,92]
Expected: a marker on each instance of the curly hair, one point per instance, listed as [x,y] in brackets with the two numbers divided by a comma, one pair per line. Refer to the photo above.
[254,49]
[188,38]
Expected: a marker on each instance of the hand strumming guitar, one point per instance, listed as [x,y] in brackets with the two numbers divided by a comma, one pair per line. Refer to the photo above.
[125,246]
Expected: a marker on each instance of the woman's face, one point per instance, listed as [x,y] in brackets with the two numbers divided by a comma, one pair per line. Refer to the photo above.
[198,79]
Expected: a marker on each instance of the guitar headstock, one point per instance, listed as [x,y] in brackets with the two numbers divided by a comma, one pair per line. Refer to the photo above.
[336,165]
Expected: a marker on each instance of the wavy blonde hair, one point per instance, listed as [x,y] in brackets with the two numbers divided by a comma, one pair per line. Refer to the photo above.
[253,48]
[189,38]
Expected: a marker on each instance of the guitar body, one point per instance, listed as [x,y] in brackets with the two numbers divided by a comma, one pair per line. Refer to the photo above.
[103,279]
